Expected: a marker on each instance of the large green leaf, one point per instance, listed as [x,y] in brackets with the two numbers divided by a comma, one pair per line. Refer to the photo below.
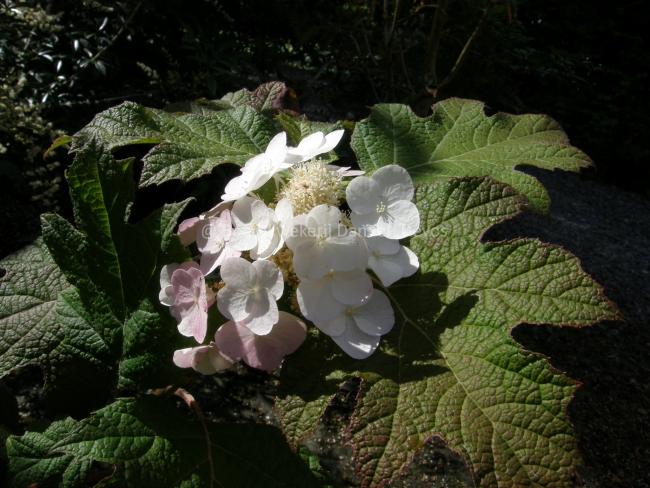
[29,323]
[187,145]
[267,96]
[104,327]
[458,139]
[44,323]
[450,367]
[149,442]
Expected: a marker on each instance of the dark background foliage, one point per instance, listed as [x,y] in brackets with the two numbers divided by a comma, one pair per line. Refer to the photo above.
[583,62]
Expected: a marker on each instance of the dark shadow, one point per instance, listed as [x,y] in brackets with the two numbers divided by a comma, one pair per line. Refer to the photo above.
[406,353]
[609,230]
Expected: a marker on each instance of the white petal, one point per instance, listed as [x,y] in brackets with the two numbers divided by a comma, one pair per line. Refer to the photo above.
[237,188]
[232,302]
[336,326]
[316,301]
[216,210]
[356,343]
[395,183]
[239,273]
[382,245]
[166,295]
[214,232]
[331,141]
[262,215]
[413,262]
[210,262]
[392,267]
[401,219]
[269,277]
[284,215]
[298,232]
[343,171]
[242,212]
[308,146]
[266,244]
[263,315]
[345,253]
[243,238]
[308,261]
[376,316]
[386,270]
[351,287]
[277,147]
[324,218]
[363,195]
[366,224]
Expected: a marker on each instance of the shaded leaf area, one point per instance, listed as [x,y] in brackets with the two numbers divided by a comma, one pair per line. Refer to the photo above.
[450,367]
[459,139]
[187,146]
[80,303]
[150,442]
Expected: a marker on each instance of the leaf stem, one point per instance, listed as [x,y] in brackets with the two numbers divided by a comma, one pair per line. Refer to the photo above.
[191,402]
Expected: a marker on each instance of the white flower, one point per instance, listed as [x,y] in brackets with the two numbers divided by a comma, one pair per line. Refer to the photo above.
[212,240]
[322,300]
[357,330]
[204,359]
[313,145]
[381,204]
[321,243]
[343,171]
[389,260]
[250,293]
[259,169]
[256,228]
[284,216]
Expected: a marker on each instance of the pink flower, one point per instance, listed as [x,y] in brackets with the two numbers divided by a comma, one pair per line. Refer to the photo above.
[204,359]
[264,352]
[166,295]
[188,229]
[190,305]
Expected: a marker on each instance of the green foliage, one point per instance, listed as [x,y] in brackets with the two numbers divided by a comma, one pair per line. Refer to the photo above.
[189,145]
[459,139]
[450,367]
[106,323]
[149,442]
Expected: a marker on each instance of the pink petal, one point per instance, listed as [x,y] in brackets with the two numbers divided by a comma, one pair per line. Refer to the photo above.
[194,322]
[187,230]
[262,352]
[204,359]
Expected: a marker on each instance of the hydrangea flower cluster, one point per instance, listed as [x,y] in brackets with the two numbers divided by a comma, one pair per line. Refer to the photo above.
[251,253]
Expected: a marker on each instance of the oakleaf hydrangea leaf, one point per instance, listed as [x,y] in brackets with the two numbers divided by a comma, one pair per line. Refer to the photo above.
[43,322]
[151,442]
[29,290]
[187,145]
[267,96]
[450,368]
[459,139]
[82,308]
[299,127]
